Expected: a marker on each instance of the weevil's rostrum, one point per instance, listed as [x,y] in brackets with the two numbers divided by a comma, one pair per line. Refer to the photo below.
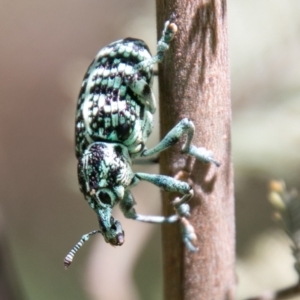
[113,121]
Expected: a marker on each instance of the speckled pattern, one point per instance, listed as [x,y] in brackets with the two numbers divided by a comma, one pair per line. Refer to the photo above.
[109,108]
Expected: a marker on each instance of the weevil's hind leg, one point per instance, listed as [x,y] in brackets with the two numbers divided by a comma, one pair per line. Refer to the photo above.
[69,258]
[140,86]
[181,207]
[129,212]
[163,44]
[187,127]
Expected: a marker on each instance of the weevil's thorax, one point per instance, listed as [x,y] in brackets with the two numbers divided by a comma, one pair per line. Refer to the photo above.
[108,109]
[104,173]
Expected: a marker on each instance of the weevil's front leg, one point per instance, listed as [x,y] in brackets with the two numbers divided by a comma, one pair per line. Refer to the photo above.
[129,212]
[181,207]
[187,127]
[171,184]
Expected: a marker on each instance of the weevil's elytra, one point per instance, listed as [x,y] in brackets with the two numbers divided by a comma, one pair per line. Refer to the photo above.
[112,105]
[114,119]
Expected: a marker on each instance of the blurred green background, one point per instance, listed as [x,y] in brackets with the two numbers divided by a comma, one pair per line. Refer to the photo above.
[45,49]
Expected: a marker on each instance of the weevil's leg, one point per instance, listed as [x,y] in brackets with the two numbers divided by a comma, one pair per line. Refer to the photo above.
[129,212]
[140,86]
[163,44]
[189,235]
[170,184]
[69,258]
[187,127]
[181,207]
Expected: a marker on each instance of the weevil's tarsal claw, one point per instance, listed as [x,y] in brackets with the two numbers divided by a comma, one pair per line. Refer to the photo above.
[189,245]
[187,230]
[189,235]
[170,30]
[203,154]
[183,210]
[173,17]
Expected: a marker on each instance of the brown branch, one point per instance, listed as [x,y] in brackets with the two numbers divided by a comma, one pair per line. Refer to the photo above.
[194,83]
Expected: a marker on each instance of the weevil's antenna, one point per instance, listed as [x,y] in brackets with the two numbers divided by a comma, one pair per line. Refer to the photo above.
[69,258]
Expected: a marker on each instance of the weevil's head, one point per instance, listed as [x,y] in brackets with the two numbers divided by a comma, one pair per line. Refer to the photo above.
[104,172]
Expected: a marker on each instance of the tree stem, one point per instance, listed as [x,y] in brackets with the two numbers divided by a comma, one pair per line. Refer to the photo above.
[194,83]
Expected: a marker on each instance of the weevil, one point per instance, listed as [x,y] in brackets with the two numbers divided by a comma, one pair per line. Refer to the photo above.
[114,118]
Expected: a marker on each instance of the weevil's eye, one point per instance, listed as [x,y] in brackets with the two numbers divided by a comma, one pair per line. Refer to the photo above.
[105,198]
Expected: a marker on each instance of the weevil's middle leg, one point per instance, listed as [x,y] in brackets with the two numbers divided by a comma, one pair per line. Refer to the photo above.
[185,126]
[188,233]
[181,207]
[127,207]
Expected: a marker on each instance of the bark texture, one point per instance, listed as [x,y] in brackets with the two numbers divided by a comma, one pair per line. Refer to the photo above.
[194,83]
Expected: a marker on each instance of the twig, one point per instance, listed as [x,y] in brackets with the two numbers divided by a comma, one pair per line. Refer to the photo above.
[194,83]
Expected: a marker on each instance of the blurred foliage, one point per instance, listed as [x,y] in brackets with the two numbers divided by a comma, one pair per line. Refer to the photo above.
[287,211]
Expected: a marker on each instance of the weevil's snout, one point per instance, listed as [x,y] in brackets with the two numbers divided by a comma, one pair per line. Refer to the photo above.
[113,233]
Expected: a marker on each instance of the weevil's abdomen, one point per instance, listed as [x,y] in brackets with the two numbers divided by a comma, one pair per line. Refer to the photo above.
[108,110]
